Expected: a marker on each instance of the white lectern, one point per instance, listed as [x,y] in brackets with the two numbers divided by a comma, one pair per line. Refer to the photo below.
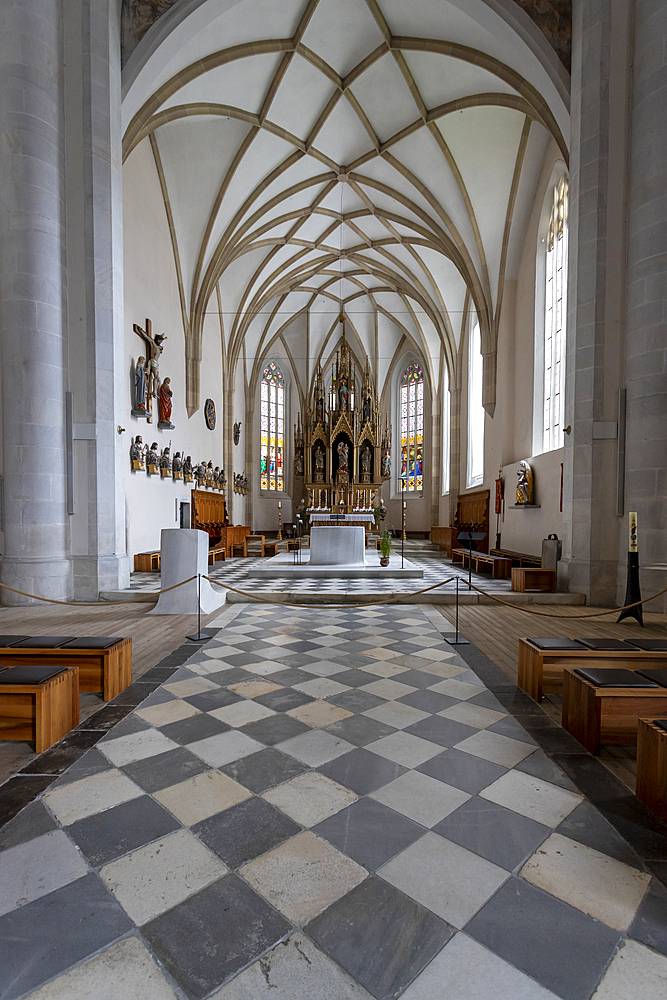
[184,553]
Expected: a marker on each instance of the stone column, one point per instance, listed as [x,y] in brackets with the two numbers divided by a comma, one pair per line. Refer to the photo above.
[596,307]
[31,299]
[646,355]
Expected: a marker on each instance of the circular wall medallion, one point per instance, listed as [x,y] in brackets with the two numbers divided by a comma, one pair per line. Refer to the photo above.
[209,414]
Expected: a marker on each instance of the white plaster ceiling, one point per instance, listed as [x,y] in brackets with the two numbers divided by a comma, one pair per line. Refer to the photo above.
[398,144]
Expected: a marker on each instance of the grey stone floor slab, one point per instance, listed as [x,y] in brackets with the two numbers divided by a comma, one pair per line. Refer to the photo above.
[495,833]
[245,831]
[87,918]
[362,771]
[110,834]
[166,769]
[214,934]
[369,832]
[380,936]
[470,774]
[562,948]
[264,769]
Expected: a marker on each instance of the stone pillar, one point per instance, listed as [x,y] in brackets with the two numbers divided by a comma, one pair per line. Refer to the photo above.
[95,294]
[645,355]
[31,300]
[596,306]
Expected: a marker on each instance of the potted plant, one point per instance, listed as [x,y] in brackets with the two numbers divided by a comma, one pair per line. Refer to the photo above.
[385,547]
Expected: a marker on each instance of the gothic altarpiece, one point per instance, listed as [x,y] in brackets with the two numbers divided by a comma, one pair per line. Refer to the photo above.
[341,450]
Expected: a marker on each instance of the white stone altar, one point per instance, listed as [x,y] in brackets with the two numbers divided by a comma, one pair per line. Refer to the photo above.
[336,551]
[184,553]
[342,545]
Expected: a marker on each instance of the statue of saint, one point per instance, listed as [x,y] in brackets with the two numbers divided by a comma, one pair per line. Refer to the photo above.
[366,459]
[343,452]
[138,453]
[319,459]
[177,466]
[187,469]
[165,463]
[367,410]
[386,465]
[164,405]
[525,487]
[140,380]
[201,473]
[319,409]
[298,463]
[343,394]
[153,459]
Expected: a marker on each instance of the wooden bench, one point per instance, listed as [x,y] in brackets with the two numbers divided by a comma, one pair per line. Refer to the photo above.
[271,548]
[101,669]
[41,712]
[541,670]
[652,766]
[500,567]
[146,562]
[293,544]
[529,578]
[257,538]
[596,715]
[520,558]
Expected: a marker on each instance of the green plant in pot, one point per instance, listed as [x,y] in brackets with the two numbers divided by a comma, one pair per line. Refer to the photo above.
[385,547]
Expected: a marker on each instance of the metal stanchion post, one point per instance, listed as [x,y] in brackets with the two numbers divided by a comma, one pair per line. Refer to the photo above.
[200,636]
[458,640]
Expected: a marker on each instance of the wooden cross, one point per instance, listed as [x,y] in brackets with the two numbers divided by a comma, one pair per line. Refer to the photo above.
[153,351]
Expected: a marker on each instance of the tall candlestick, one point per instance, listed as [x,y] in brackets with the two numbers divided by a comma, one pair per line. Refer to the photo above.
[632,525]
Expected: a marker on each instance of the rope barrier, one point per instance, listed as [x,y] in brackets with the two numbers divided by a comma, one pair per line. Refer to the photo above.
[345,604]
[546,614]
[96,604]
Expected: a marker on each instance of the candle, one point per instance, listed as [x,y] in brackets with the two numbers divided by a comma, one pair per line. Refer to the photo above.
[632,542]
[279,505]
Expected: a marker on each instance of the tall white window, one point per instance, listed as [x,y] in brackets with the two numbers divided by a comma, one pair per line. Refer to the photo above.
[446,430]
[554,319]
[272,419]
[475,473]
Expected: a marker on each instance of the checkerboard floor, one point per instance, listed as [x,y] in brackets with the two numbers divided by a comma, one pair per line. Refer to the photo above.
[435,567]
[323,806]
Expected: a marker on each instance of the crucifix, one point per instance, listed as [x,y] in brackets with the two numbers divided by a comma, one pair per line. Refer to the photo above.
[153,351]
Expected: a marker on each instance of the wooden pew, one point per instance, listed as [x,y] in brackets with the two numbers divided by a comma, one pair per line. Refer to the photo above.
[106,670]
[146,562]
[41,712]
[520,558]
[596,715]
[541,670]
[652,766]
[531,578]
[500,567]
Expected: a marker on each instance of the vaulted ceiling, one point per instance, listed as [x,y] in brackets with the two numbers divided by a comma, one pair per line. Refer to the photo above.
[375,157]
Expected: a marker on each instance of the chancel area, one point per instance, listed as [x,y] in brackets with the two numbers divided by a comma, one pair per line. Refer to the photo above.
[333,483]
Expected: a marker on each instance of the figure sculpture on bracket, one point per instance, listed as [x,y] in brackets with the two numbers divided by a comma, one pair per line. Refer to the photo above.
[164,406]
[319,464]
[366,458]
[525,487]
[140,385]
[343,475]
[165,463]
[237,432]
[138,454]
[187,470]
[177,466]
[200,474]
[153,460]
[209,476]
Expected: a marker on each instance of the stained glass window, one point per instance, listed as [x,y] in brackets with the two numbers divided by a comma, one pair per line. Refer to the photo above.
[412,428]
[554,320]
[272,421]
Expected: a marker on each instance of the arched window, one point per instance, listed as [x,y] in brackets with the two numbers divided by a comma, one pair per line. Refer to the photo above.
[272,425]
[475,473]
[446,429]
[554,319]
[412,428]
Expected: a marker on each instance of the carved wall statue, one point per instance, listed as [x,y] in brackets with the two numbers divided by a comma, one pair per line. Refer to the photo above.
[165,463]
[201,474]
[298,463]
[237,432]
[343,454]
[137,16]
[153,460]
[525,487]
[177,466]
[164,406]
[140,386]
[187,470]
[386,464]
[138,454]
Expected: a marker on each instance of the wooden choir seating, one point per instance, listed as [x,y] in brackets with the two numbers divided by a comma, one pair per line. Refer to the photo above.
[40,712]
[542,661]
[210,515]
[103,663]
[500,567]
[518,558]
[606,705]
[471,508]
[652,764]
[146,562]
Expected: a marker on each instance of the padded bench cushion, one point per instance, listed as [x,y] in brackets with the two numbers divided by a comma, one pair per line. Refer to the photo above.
[662,723]
[657,674]
[43,642]
[93,642]
[651,645]
[614,677]
[553,643]
[615,645]
[9,640]
[29,675]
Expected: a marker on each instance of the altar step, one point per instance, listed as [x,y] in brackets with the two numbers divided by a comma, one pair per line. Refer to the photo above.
[366,597]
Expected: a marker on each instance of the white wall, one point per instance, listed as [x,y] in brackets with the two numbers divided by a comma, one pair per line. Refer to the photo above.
[523,530]
[151,290]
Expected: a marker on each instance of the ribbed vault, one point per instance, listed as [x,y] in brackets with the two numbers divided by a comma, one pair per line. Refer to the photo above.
[366,156]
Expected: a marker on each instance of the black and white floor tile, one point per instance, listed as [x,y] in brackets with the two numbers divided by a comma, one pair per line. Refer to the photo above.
[323,806]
